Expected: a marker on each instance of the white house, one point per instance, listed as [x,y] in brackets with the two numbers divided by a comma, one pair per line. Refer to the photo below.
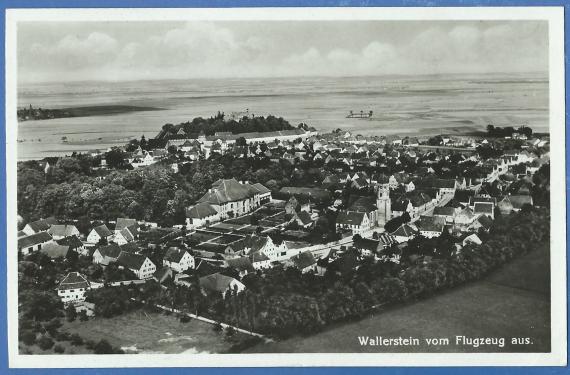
[37,226]
[178,259]
[73,287]
[357,222]
[59,231]
[140,265]
[221,284]
[98,233]
[35,242]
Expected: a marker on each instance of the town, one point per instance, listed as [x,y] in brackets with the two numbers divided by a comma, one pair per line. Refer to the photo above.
[267,229]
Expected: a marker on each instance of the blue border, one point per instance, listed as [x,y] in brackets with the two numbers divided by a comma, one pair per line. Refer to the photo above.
[6,4]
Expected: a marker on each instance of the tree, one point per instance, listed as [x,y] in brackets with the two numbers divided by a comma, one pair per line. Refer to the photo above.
[241,141]
[45,342]
[28,337]
[59,349]
[70,313]
[103,347]
[76,339]
[83,316]
[115,158]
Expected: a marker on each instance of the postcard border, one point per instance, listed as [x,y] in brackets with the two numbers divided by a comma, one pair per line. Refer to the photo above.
[557,183]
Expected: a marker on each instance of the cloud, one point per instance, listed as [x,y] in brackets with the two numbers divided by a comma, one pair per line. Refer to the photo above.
[206,49]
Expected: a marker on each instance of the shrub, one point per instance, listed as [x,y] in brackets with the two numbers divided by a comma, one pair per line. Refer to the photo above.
[28,337]
[70,313]
[184,319]
[103,347]
[76,339]
[83,316]
[45,342]
[230,331]
[218,327]
[58,349]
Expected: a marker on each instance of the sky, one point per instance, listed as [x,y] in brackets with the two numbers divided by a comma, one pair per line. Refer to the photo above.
[118,51]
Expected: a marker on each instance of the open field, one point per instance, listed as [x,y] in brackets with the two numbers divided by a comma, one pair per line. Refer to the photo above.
[153,333]
[512,302]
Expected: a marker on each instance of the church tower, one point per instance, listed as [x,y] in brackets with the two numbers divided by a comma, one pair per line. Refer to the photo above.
[384,205]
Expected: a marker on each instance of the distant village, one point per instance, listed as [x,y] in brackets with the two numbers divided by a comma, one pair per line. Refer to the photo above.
[381,199]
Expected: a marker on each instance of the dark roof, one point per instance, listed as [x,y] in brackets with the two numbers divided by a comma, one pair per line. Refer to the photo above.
[42,224]
[260,188]
[258,257]
[519,200]
[131,247]
[53,250]
[483,208]
[174,254]
[33,240]
[444,211]
[224,191]
[102,231]
[405,230]
[350,218]
[361,204]
[430,224]
[130,260]
[305,217]
[367,244]
[162,274]
[303,260]
[124,223]
[72,241]
[73,280]
[216,282]
[62,230]
[240,264]
[111,251]
[200,211]
[485,221]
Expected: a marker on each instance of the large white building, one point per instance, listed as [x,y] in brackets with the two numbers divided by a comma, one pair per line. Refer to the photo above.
[73,287]
[227,198]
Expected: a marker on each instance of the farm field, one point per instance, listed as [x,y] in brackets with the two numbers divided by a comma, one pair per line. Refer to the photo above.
[511,302]
[144,332]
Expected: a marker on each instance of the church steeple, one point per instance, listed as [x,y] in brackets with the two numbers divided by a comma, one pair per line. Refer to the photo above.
[384,205]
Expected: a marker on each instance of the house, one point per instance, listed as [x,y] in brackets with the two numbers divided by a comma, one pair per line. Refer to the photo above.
[259,261]
[200,215]
[125,235]
[99,233]
[447,213]
[73,287]
[484,209]
[163,274]
[304,219]
[178,259]
[404,233]
[59,231]
[231,198]
[473,239]
[367,246]
[465,217]
[513,203]
[106,254]
[34,242]
[218,283]
[140,265]
[74,244]
[430,226]
[55,251]
[126,223]
[357,222]
[242,265]
[304,262]
[37,226]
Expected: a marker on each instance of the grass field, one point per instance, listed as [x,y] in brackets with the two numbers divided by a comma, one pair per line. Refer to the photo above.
[512,302]
[153,333]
